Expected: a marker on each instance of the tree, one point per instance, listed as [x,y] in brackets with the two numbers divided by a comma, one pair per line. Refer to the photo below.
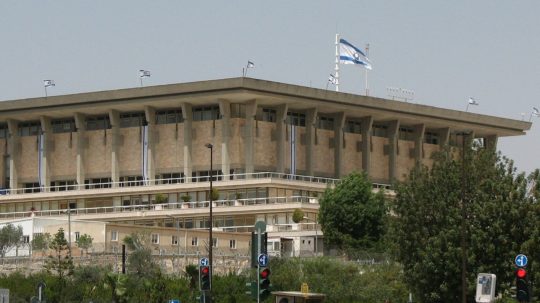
[351,215]
[59,261]
[41,241]
[298,215]
[464,208]
[84,242]
[140,261]
[10,236]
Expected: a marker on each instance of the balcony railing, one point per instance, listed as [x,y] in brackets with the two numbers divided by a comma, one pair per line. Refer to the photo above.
[161,207]
[164,181]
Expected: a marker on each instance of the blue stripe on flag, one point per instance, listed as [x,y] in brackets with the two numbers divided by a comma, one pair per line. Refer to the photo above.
[354,60]
[350,45]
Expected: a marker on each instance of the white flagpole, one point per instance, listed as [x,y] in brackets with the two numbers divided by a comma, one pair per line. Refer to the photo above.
[367,56]
[336,74]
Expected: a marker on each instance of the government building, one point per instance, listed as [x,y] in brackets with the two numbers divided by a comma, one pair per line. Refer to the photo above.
[144,156]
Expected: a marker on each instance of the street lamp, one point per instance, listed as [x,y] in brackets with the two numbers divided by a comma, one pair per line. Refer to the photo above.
[68,211]
[210,240]
[316,235]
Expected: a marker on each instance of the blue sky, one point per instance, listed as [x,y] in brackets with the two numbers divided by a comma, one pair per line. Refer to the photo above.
[445,51]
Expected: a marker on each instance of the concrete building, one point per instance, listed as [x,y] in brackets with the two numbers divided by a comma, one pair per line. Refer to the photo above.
[138,156]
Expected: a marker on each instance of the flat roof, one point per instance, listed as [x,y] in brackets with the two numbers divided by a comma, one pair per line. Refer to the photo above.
[267,93]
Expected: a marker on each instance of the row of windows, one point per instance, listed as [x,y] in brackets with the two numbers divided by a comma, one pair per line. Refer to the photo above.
[155,239]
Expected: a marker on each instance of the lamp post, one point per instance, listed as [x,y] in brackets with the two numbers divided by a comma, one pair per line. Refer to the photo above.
[316,235]
[69,229]
[210,239]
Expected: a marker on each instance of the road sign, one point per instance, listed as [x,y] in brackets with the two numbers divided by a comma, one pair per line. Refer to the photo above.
[521,260]
[263,260]
[174,301]
[260,226]
[204,262]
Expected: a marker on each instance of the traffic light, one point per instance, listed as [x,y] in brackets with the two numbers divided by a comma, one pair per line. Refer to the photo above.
[264,283]
[522,285]
[204,275]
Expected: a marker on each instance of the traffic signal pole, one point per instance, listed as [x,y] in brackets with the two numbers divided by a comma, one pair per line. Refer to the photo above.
[259,232]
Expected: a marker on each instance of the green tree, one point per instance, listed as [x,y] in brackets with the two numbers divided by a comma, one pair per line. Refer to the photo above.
[10,237]
[351,215]
[140,262]
[84,242]
[60,264]
[466,206]
[41,241]
[298,215]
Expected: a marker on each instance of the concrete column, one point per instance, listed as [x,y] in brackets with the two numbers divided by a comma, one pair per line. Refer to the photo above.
[225,112]
[80,124]
[14,153]
[366,124]
[491,142]
[311,128]
[114,117]
[339,124]
[444,137]
[419,131]
[281,135]
[150,116]
[188,118]
[393,131]
[47,138]
[249,135]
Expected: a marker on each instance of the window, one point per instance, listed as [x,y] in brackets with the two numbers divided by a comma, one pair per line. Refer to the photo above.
[214,242]
[98,183]
[268,115]
[352,126]
[25,239]
[203,113]
[174,240]
[32,187]
[131,181]
[194,241]
[172,178]
[63,125]
[232,244]
[132,119]
[4,131]
[155,238]
[297,119]
[170,116]
[431,138]
[238,110]
[29,128]
[98,122]
[325,123]
[114,235]
[406,133]
[77,235]
[380,130]
[63,185]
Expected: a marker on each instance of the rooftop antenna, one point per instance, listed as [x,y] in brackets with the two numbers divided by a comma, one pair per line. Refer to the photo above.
[143,74]
[249,65]
[47,83]
[535,112]
[472,101]
[398,93]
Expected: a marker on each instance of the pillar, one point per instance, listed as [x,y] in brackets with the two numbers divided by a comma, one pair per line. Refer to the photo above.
[311,128]
[281,135]
[249,136]
[393,131]
[80,124]
[47,138]
[114,117]
[188,144]
[225,112]
[366,125]
[150,116]
[339,124]
[14,153]
[419,131]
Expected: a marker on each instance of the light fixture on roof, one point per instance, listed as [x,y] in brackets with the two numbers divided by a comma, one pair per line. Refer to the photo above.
[144,74]
[398,93]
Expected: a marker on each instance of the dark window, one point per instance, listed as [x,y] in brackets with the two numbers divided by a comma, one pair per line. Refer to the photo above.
[131,181]
[29,128]
[98,122]
[63,125]
[325,123]
[380,130]
[238,110]
[132,119]
[170,116]
[431,138]
[4,131]
[406,133]
[297,119]
[98,183]
[352,126]
[268,115]
[32,187]
[203,113]
[63,185]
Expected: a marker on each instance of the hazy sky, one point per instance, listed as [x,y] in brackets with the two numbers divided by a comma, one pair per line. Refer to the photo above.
[445,51]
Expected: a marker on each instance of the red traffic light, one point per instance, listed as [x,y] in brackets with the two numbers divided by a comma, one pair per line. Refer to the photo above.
[265,273]
[205,270]
[521,273]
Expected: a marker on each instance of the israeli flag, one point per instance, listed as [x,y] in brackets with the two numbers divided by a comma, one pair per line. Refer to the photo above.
[48,83]
[350,54]
[144,73]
